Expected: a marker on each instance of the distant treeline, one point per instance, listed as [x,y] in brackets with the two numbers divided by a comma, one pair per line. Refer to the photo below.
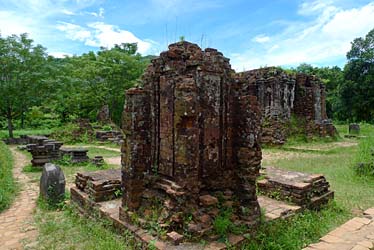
[40,91]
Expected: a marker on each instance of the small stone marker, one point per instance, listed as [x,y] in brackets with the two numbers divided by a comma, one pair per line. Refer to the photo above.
[354,129]
[52,183]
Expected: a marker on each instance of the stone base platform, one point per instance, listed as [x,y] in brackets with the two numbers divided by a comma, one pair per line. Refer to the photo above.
[110,210]
[100,185]
[306,190]
[355,234]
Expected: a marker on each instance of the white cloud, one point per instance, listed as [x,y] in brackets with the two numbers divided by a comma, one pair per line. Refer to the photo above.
[59,54]
[11,23]
[99,34]
[107,35]
[261,39]
[325,39]
[101,12]
[68,12]
[314,7]
[74,32]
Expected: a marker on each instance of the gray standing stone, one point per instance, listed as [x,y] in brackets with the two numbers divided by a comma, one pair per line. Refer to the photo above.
[52,183]
[354,129]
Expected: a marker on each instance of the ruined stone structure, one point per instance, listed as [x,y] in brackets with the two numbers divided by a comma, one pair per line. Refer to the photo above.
[111,136]
[43,150]
[283,95]
[275,91]
[103,116]
[192,140]
[310,106]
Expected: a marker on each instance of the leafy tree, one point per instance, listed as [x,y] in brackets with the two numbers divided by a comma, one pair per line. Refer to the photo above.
[21,74]
[357,93]
[81,85]
[332,77]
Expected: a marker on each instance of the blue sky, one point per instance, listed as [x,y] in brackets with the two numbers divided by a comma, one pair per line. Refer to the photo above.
[251,33]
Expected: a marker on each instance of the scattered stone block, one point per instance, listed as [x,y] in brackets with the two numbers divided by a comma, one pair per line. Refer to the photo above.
[52,184]
[175,237]
[76,155]
[208,200]
[100,185]
[98,161]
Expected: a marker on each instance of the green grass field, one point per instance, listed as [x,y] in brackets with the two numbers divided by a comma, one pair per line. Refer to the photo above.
[8,186]
[64,229]
[334,159]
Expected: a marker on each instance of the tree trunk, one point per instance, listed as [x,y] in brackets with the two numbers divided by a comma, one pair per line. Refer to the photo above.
[10,124]
[22,120]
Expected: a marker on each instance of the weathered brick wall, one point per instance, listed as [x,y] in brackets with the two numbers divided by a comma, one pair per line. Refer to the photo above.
[275,91]
[310,105]
[282,95]
[191,131]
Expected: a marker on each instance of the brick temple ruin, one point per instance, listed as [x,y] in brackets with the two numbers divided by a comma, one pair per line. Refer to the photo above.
[192,134]
[281,96]
[192,151]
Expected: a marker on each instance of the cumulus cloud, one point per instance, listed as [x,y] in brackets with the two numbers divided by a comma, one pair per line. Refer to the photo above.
[261,39]
[99,34]
[74,32]
[325,39]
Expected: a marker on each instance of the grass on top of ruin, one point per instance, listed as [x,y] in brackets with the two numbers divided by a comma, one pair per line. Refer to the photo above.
[8,186]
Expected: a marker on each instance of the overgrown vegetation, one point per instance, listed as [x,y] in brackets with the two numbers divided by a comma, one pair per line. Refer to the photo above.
[364,159]
[298,231]
[7,183]
[66,230]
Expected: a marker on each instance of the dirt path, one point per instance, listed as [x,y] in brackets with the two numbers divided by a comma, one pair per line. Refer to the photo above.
[113,160]
[327,146]
[95,146]
[16,223]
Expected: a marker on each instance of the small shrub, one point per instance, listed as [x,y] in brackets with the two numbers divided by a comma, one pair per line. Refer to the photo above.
[107,128]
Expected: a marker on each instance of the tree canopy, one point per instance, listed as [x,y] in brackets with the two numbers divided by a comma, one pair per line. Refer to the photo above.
[40,90]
